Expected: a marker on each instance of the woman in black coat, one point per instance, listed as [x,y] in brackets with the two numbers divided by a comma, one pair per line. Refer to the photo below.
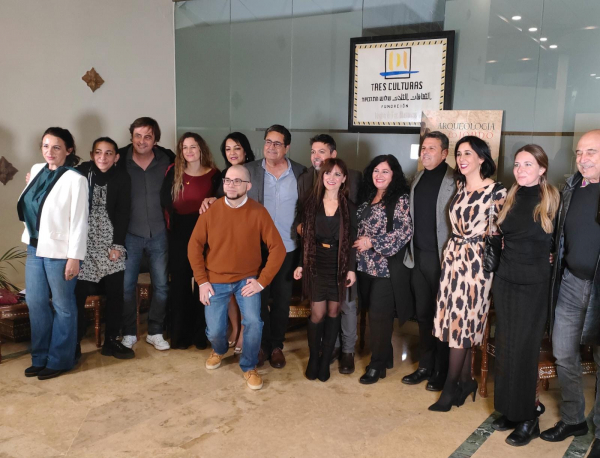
[103,268]
[328,261]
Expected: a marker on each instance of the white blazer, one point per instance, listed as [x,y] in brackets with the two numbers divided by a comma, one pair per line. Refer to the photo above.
[64,219]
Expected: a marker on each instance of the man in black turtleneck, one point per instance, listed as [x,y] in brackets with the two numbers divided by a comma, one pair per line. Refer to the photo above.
[430,196]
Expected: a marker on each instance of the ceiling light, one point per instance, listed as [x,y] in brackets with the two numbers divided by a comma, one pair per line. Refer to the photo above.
[590,27]
[533,29]
[592,74]
[526,58]
[492,61]
[543,39]
[598,77]
[516,18]
[553,46]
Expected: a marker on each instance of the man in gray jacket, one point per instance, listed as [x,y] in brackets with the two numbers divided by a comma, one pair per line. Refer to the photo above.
[275,185]
[430,196]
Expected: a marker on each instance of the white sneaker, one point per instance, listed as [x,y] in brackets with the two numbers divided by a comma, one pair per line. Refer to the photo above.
[158,342]
[129,341]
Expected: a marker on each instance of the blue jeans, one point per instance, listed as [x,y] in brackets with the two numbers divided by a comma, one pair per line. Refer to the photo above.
[53,325]
[570,313]
[157,249]
[216,321]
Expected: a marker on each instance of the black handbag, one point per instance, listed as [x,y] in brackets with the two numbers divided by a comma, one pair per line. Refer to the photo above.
[493,243]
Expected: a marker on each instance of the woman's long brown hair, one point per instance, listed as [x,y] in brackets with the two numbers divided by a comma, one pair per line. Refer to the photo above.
[309,236]
[206,160]
[545,211]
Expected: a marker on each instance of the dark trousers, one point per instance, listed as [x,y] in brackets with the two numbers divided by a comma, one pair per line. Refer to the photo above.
[186,317]
[377,295]
[425,280]
[276,315]
[112,287]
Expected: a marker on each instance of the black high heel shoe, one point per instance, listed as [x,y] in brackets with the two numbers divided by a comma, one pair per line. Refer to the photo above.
[445,407]
[466,389]
[372,376]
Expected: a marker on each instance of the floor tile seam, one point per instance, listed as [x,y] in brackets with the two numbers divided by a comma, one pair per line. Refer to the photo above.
[78,430]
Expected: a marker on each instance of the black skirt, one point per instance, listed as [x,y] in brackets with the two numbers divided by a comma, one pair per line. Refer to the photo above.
[521,312]
[325,284]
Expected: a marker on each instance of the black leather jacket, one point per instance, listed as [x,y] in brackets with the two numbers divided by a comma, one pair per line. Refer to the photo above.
[591,326]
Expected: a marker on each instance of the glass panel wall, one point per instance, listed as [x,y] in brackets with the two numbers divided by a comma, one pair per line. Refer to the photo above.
[246,64]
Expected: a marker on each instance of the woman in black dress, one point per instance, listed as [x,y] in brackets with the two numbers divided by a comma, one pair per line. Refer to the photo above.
[328,260]
[520,292]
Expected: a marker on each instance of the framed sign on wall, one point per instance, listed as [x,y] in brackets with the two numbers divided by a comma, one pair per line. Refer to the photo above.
[393,79]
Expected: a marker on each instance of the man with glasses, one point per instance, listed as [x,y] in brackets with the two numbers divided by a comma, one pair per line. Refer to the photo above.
[275,185]
[226,258]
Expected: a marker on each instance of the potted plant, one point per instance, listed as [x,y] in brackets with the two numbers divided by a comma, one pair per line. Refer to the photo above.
[7,260]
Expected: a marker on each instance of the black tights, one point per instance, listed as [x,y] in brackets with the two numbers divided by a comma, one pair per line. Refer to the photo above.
[318,310]
[459,370]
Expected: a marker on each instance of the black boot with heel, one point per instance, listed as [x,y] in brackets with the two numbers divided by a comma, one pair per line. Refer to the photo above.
[330,333]
[314,332]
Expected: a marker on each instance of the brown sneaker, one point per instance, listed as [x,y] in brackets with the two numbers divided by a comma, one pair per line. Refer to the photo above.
[253,380]
[277,359]
[214,360]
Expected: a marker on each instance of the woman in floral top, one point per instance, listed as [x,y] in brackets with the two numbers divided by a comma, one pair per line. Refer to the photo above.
[384,185]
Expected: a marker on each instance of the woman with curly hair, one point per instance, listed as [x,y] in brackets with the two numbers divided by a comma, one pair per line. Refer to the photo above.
[328,261]
[191,179]
[384,196]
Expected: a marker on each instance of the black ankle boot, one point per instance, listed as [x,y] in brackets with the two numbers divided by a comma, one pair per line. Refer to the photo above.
[524,432]
[314,332]
[446,405]
[466,389]
[112,347]
[372,376]
[330,333]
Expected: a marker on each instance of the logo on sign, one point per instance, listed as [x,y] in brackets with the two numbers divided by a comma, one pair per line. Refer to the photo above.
[398,64]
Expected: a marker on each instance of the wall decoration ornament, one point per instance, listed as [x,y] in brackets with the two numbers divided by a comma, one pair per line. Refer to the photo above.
[7,171]
[93,79]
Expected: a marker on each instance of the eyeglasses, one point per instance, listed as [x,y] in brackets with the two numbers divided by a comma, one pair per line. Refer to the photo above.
[270,143]
[235,181]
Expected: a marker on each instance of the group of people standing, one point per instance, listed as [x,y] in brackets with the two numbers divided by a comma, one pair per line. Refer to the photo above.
[246,233]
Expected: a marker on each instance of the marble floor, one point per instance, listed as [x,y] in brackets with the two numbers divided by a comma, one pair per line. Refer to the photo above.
[167,404]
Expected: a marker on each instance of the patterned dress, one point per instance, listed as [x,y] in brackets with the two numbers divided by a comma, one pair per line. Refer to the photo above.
[464,296]
[96,264]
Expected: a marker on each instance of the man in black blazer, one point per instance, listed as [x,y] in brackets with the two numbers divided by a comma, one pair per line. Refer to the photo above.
[275,185]
[323,147]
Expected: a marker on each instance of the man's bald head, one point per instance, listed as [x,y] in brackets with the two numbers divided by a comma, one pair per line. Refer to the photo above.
[588,155]
[238,171]
[236,193]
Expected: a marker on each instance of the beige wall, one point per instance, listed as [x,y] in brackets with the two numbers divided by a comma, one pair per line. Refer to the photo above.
[45,49]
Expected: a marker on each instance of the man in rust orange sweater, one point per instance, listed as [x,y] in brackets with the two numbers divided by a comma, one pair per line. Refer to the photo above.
[225,255]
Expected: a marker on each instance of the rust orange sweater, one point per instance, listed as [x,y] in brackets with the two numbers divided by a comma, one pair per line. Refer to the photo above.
[225,245]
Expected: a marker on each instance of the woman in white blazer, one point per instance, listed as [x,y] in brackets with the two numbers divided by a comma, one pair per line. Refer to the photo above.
[54,209]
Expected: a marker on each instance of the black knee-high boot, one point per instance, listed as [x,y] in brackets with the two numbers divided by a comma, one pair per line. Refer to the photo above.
[332,329]
[315,333]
